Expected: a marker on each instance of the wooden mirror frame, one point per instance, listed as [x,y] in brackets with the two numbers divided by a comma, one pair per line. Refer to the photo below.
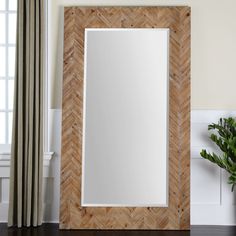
[177,214]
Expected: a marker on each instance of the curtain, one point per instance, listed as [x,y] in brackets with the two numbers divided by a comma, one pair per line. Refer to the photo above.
[25,203]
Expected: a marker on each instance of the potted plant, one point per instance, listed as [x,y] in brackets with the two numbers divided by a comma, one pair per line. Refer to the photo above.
[225,138]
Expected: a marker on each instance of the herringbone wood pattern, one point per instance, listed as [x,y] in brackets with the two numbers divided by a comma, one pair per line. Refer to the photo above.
[177,215]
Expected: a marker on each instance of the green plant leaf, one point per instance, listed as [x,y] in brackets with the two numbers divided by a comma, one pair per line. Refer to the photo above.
[224,137]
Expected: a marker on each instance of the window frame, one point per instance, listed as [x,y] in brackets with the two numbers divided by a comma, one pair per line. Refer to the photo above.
[5,147]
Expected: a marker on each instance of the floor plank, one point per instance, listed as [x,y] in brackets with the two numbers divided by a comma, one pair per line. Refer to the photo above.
[53,230]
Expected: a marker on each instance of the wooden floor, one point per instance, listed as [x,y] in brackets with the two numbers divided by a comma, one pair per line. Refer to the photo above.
[52,230]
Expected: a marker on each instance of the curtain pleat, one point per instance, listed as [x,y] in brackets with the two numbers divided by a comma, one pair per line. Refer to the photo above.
[25,203]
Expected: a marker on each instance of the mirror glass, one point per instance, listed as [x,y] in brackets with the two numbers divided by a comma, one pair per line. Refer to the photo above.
[125,117]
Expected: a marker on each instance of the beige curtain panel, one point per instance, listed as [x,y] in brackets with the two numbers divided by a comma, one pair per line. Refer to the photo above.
[25,208]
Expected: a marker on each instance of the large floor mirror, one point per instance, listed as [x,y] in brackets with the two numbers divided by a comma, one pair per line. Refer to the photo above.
[126,118]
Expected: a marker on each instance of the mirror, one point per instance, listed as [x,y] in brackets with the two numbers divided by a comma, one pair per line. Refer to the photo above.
[125,118]
[120,168]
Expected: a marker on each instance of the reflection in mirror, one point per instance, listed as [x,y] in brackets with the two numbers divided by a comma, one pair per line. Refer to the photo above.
[125,133]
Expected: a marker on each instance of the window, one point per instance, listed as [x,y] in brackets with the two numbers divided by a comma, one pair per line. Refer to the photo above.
[7,69]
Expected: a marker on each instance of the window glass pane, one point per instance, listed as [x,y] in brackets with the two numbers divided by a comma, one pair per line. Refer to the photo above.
[10,115]
[2,127]
[2,27]
[10,94]
[2,95]
[12,5]
[2,61]
[2,4]
[12,28]
[11,61]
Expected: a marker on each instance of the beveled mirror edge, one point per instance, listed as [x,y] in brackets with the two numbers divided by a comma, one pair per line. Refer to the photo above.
[83,204]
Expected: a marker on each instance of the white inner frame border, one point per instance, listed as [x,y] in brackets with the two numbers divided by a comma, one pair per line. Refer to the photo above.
[84,123]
